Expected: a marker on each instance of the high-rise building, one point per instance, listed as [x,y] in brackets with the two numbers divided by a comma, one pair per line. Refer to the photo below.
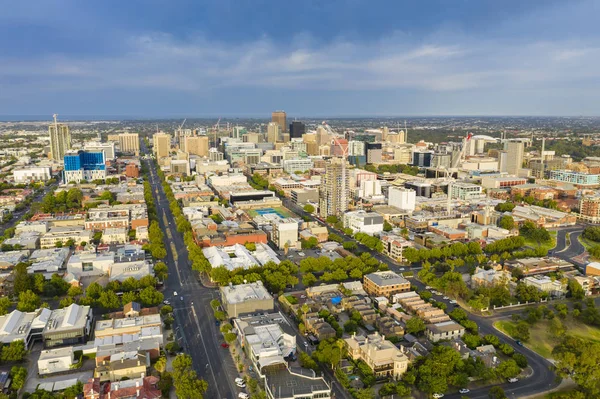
[280,118]
[84,165]
[297,129]
[196,145]
[95,146]
[402,198]
[215,155]
[60,140]
[515,150]
[273,130]
[161,145]
[374,152]
[129,142]
[334,192]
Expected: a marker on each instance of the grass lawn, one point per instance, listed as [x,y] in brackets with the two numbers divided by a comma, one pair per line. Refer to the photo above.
[546,245]
[586,243]
[540,340]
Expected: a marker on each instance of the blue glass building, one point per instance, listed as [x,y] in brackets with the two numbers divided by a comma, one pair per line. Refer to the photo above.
[84,165]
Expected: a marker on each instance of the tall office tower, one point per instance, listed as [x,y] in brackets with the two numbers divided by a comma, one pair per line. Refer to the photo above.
[280,118]
[161,145]
[297,129]
[60,140]
[196,145]
[384,133]
[334,192]
[215,155]
[129,142]
[322,136]
[374,152]
[515,150]
[84,165]
[273,130]
[402,136]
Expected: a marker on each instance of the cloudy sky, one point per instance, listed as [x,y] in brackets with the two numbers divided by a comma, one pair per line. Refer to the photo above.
[309,57]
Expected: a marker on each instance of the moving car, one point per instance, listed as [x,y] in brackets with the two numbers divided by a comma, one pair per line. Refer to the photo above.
[464,390]
[166,302]
[511,380]
[519,343]
[175,293]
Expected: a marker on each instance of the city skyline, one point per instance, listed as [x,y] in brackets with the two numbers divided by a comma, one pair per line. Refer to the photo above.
[336,59]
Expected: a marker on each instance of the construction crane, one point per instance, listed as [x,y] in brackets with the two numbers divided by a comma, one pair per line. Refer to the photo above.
[461,154]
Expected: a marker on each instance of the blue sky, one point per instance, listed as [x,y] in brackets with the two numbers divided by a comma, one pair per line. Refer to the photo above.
[312,58]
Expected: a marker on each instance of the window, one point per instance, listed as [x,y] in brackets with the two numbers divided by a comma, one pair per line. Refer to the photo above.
[87,266]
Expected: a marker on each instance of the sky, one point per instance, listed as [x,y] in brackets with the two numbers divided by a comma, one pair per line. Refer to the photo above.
[202,58]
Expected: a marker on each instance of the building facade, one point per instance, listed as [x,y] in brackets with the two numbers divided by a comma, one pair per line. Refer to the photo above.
[84,165]
[129,142]
[334,192]
[60,140]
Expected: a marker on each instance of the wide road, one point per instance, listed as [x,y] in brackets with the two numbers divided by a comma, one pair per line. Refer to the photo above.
[543,378]
[194,325]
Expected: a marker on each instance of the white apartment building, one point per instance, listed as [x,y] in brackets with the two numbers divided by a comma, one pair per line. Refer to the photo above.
[285,233]
[96,146]
[291,166]
[402,198]
[115,235]
[26,175]
[64,234]
[364,222]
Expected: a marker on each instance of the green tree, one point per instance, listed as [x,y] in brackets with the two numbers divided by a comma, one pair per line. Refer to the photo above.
[5,304]
[387,226]
[308,208]
[508,369]
[74,291]
[28,301]
[161,364]
[187,384]
[22,280]
[309,279]
[496,392]
[415,325]
[506,222]
[19,376]
[149,296]
[14,352]
[109,300]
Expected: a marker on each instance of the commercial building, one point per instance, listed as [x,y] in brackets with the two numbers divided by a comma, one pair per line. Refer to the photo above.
[246,298]
[543,217]
[143,388]
[280,118]
[297,129]
[68,326]
[444,331]
[161,145]
[285,233]
[87,264]
[123,366]
[382,356]
[374,152]
[502,181]
[292,166]
[60,140]
[53,361]
[402,198]
[394,246]
[115,235]
[132,170]
[32,174]
[196,145]
[386,284]
[180,167]
[514,160]
[84,165]
[363,222]
[107,148]
[23,326]
[303,196]
[334,194]
[63,234]
[129,142]
[273,130]
[465,191]
[583,180]
[489,278]
[554,288]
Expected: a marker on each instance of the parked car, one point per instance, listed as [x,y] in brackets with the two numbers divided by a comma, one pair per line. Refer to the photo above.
[464,390]
[224,345]
[239,380]
[511,380]
[217,323]
[438,395]
[175,293]
[243,395]
[241,385]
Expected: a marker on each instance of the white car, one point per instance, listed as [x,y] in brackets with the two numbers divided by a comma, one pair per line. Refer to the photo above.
[446,298]
[427,287]
[438,395]
[511,380]
[301,253]
[401,269]
[243,395]
[453,302]
[239,380]
[464,390]
[175,293]
[242,385]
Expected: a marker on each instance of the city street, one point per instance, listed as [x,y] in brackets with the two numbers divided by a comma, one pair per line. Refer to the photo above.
[194,321]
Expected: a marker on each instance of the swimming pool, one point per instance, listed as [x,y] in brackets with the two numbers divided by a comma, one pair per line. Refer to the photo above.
[270,211]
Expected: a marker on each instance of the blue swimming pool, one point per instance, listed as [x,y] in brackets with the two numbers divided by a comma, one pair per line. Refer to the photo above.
[270,211]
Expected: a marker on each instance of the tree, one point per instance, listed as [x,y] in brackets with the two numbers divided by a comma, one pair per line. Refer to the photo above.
[230,337]
[387,226]
[187,385]
[4,305]
[308,208]
[74,291]
[522,331]
[496,392]
[165,310]
[415,326]
[491,339]
[172,347]
[28,301]
[161,271]
[22,280]
[149,296]
[161,364]
[14,352]
[508,369]
[520,359]
[309,243]
[506,222]
[309,279]
[109,300]
[19,376]
[576,290]
[349,245]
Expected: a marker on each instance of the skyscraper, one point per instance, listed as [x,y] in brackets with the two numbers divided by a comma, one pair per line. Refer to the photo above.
[280,118]
[196,145]
[60,140]
[297,129]
[515,150]
[161,145]
[273,130]
[129,142]
[334,193]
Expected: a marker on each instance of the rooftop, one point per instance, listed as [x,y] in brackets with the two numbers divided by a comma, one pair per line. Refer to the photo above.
[245,292]
[386,278]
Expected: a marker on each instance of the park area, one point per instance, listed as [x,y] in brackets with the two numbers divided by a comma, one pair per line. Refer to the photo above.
[543,335]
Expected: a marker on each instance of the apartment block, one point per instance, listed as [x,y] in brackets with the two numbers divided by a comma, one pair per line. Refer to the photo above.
[382,357]
[385,284]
